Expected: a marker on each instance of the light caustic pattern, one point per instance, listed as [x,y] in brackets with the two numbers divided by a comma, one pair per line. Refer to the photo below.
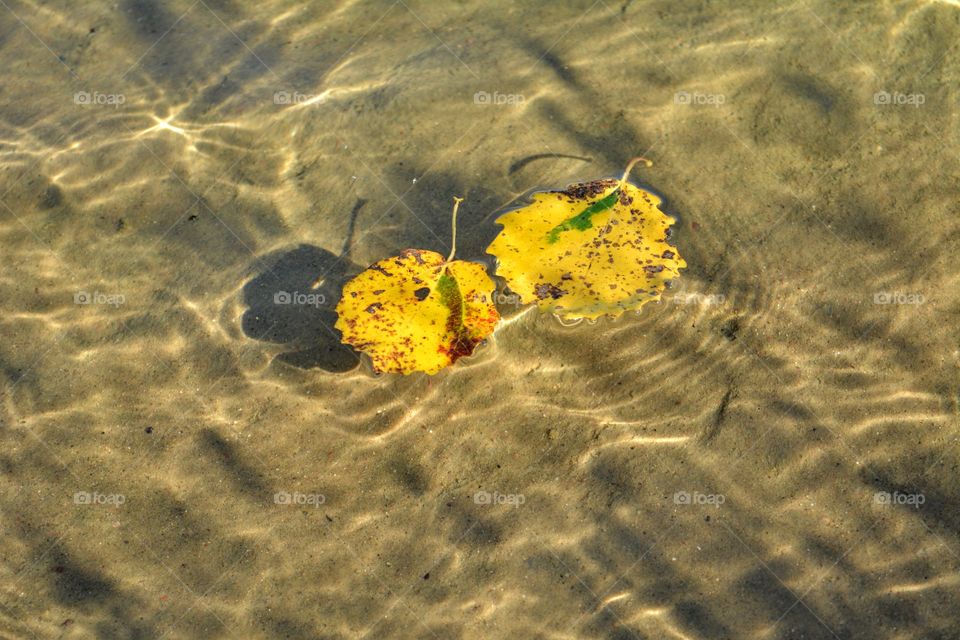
[188,450]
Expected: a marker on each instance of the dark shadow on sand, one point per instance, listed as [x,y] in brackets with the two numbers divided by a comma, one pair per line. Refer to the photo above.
[287,307]
[293,303]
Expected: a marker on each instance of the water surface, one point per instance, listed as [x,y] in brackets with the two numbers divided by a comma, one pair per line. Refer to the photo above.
[769,452]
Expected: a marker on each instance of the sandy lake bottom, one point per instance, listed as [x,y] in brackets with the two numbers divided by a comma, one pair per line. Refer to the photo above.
[768,452]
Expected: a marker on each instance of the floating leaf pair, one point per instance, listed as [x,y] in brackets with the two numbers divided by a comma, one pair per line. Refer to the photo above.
[593,249]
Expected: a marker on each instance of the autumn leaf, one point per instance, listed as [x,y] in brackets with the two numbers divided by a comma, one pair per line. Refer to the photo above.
[418,311]
[596,248]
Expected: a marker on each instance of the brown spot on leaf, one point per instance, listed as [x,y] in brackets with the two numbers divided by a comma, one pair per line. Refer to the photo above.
[416,253]
[587,190]
[547,290]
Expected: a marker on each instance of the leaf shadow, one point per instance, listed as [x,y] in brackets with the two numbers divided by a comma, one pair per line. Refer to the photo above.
[292,302]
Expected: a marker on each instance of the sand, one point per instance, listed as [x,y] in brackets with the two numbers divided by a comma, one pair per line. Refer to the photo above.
[769,452]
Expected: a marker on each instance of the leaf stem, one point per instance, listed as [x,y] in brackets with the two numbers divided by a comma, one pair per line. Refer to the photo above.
[453,242]
[633,161]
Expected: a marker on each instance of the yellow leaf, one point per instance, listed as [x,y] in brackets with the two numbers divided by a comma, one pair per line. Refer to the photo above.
[418,311]
[593,249]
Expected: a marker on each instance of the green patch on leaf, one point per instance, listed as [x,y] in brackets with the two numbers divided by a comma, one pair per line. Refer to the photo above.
[581,221]
[461,344]
[450,296]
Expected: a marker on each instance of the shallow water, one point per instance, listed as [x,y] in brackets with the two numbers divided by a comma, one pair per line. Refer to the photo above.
[769,452]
